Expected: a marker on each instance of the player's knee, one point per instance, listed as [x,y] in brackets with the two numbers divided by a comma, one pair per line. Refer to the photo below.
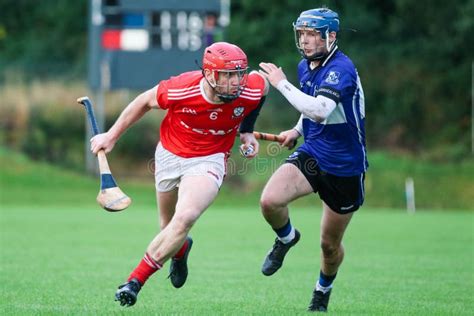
[269,204]
[183,223]
[329,249]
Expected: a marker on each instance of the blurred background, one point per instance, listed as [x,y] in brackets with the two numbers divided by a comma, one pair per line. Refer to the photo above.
[414,59]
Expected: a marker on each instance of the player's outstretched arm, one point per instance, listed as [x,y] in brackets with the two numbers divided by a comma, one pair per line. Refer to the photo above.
[316,108]
[131,114]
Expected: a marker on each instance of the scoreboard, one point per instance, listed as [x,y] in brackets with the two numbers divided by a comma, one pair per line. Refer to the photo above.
[134,44]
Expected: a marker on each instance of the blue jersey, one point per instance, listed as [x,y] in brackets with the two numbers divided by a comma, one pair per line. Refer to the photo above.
[337,143]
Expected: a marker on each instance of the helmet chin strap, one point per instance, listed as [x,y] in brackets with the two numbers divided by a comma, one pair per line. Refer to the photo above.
[226,98]
[212,84]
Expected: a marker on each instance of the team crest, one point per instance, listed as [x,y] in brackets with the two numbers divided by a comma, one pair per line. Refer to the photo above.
[333,77]
[238,111]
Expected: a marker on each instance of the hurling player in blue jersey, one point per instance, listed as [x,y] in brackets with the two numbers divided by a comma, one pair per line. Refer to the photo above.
[332,161]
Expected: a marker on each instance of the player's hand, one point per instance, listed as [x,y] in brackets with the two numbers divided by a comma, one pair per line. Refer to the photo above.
[247,140]
[272,73]
[290,137]
[102,141]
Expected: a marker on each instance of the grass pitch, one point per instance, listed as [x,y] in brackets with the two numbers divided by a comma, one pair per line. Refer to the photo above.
[61,254]
[70,260]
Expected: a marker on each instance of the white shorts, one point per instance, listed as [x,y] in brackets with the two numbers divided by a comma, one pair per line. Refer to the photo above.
[170,168]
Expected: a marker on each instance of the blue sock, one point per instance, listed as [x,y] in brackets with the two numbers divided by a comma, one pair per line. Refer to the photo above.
[284,231]
[326,280]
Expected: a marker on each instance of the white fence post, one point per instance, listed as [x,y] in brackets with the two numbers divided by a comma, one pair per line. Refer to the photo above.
[410,195]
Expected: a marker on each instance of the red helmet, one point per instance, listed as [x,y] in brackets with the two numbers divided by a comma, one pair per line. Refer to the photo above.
[226,58]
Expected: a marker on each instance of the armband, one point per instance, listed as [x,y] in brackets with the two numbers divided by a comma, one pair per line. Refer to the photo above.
[248,122]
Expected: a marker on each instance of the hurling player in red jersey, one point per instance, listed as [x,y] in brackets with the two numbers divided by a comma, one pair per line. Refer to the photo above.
[205,111]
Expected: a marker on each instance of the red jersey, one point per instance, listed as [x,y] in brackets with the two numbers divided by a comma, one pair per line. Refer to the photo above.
[194,125]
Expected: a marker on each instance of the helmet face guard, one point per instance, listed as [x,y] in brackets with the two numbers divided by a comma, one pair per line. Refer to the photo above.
[228,65]
[229,84]
[321,20]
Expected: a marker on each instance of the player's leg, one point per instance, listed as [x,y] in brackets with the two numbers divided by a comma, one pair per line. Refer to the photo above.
[167,176]
[127,292]
[169,169]
[212,167]
[333,226]
[178,267]
[166,206]
[199,180]
[285,185]
[179,264]
[195,194]
[345,195]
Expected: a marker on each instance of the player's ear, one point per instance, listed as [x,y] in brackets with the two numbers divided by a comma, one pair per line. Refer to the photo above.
[209,75]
